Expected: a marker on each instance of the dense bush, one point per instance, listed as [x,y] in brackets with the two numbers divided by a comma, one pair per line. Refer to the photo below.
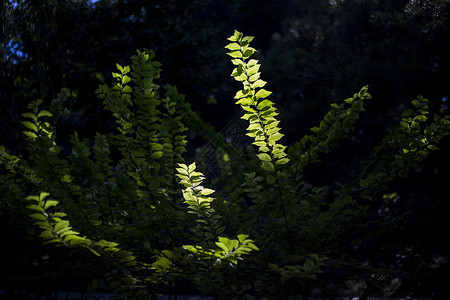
[140,222]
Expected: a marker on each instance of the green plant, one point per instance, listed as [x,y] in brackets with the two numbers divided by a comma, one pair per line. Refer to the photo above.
[151,225]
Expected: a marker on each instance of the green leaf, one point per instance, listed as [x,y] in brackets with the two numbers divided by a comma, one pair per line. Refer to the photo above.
[272,124]
[244,101]
[237,62]
[227,242]
[260,143]
[127,258]
[275,137]
[253,70]
[182,171]
[64,230]
[36,208]
[188,195]
[348,100]
[263,105]
[157,155]
[55,240]
[44,113]
[270,179]
[258,83]
[241,78]
[127,89]
[46,234]
[75,240]
[241,94]
[30,125]
[192,167]
[50,203]
[254,77]
[282,161]
[253,246]
[223,247]
[127,125]
[220,230]
[248,39]
[205,192]
[30,115]
[39,217]
[30,134]
[61,225]
[233,46]
[242,251]
[433,147]
[251,63]
[237,72]
[43,195]
[238,35]
[247,53]
[242,237]
[35,198]
[268,166]
[421,118]
[262,93]
[156,147]
[254,126]
[235,54]
[264,157]
[68,232]
[92,250]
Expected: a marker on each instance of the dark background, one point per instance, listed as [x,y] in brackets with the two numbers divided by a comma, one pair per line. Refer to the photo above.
[313,53]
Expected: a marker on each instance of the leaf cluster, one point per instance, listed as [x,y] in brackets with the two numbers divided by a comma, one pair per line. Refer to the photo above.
[153,226]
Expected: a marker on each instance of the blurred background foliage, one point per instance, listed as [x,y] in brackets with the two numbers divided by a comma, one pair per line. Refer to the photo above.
[313,53]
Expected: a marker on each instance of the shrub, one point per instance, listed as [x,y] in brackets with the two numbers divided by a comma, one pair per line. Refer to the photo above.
[143,223]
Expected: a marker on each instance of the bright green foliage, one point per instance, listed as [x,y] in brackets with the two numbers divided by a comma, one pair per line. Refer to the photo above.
[172,231]
[259,111]
[57,230]
[313,227]
[229,250]
[135,199]
[199,203]
[195,195]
